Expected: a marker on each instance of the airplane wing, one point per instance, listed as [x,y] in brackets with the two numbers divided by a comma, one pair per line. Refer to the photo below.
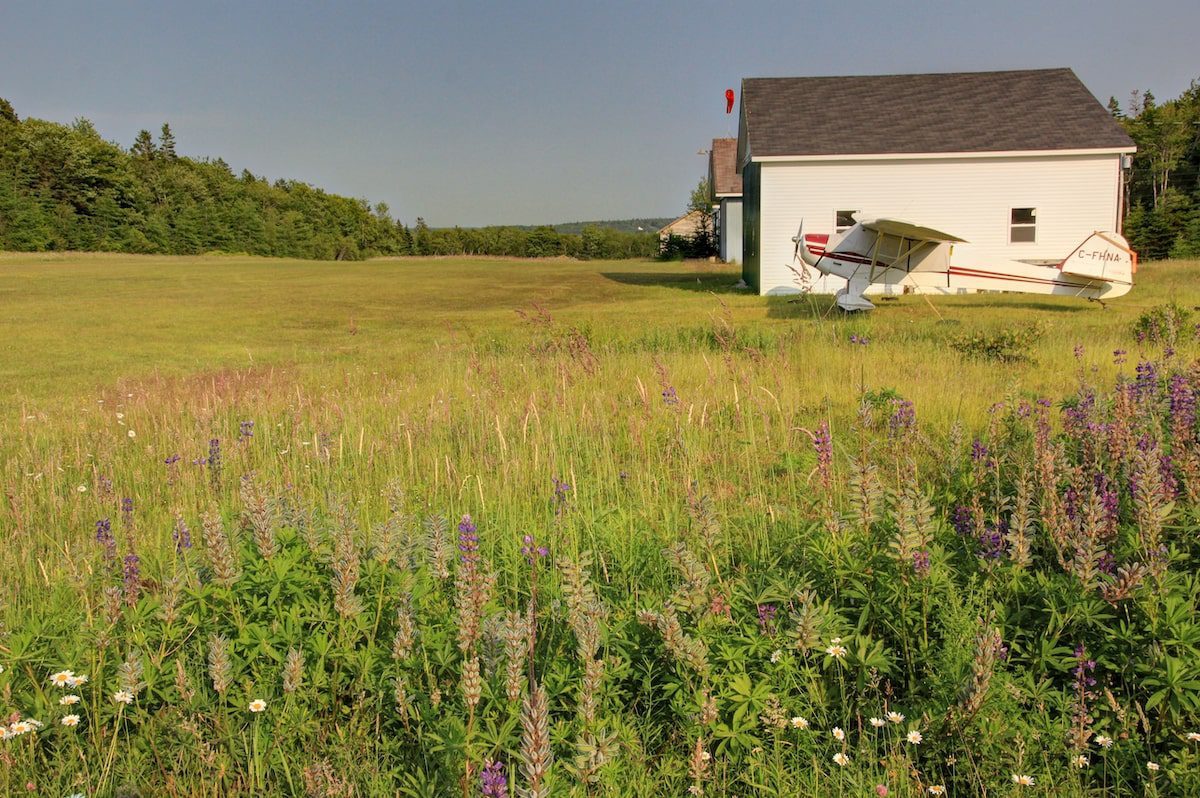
[912,231]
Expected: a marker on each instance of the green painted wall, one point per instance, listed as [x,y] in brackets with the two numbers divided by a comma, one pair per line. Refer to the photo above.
[751,204]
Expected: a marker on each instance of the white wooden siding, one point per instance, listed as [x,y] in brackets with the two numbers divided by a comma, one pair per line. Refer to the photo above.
[1074,195]
[731,230]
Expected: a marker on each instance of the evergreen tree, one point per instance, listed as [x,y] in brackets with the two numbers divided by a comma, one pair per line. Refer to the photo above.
[7,114]
[143,146]
[166,143]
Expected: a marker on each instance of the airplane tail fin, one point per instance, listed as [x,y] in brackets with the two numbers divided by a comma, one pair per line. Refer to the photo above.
[1102,256]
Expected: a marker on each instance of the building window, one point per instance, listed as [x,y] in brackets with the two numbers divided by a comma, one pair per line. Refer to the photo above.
[1022,226]
[844,221]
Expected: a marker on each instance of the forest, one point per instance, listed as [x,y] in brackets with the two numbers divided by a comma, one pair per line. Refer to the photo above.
[65,188]
[1162,189]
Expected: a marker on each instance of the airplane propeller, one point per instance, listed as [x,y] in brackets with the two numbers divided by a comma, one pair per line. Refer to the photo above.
[798,239]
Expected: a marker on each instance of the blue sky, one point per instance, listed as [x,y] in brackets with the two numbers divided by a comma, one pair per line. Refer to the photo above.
[523,112]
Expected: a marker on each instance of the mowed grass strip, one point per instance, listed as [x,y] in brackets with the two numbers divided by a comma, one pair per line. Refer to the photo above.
[75,325]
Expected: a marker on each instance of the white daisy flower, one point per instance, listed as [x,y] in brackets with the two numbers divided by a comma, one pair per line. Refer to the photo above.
[70,720]
[62,678]
[68,700]
[838,734]
[1103,741]
[123,697]
[914,737]
[937,789]
[895,717]
[1152,767]
[1080,761]
[799,723]
[878,723]
[841,759]
[1193,737]
[258,705]
[1022,780]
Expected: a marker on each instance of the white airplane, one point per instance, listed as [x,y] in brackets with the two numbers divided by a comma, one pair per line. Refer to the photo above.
[890,252]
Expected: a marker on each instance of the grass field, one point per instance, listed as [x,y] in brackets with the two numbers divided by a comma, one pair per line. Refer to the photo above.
[304,426]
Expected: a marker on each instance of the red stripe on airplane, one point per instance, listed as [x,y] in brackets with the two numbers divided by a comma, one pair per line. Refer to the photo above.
[959,270]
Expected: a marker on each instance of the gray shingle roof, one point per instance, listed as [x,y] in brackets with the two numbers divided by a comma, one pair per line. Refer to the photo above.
[1034,109]
[722,167]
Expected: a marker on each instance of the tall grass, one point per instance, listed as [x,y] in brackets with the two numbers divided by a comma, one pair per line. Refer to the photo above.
[322,418]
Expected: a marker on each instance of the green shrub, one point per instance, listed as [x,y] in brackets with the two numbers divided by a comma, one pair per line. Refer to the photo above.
[1162,324]
[1009,345]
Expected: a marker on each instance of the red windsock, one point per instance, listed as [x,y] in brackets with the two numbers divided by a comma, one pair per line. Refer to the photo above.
[729,101]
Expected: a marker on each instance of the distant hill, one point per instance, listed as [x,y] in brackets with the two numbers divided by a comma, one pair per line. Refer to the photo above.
[645,225]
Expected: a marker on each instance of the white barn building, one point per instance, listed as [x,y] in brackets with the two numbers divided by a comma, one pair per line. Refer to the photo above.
[726,185]
[1022,164]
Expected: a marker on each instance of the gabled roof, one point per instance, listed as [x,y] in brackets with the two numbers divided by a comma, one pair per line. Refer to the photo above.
[722,168]
[970,112]
[687,225]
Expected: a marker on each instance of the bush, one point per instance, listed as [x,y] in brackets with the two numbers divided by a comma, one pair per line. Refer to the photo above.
[1161,325]
[1010,345]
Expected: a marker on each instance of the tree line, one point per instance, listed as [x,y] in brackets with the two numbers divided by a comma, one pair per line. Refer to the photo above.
[1162,189]
[63,187]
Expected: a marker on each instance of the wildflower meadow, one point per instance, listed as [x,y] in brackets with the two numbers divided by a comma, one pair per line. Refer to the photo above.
[493,528]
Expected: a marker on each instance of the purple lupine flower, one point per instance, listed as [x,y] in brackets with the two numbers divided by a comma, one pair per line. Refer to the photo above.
[1071,502]
[860,340]
[921,563]
[1110,499]
[531,551]
[104,536]
[1170,485]
[1145,384]
[245,430]
[172,460]
[766,617]
[1182,402]
[181,535]
[903,419]
[991,541]
[133,576]
[979,452]
[1119,357]
[127,512]
[1168,352]
[960,519]
[559,500]
[823,443]
[493,781]
[468,540]
[213,461]
[1083,668]
[1107,564]
[669,395]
